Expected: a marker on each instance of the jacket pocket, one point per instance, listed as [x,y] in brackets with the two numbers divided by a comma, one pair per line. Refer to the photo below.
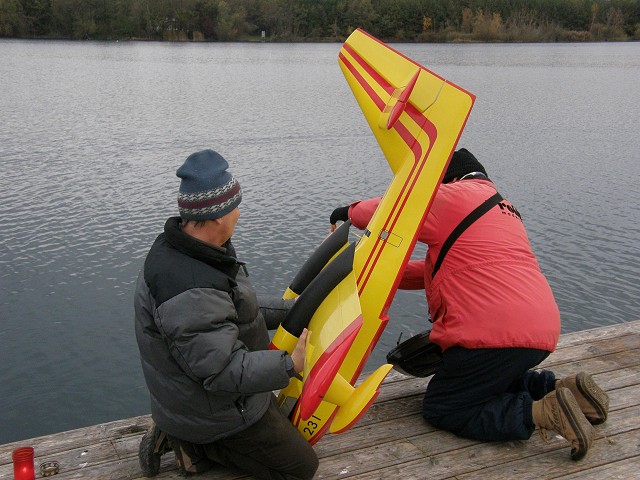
[241,406]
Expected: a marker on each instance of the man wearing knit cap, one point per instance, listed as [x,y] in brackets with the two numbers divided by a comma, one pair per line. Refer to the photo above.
[493,315]
[203,342]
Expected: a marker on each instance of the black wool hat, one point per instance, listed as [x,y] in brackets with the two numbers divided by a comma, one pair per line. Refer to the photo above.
[462,162]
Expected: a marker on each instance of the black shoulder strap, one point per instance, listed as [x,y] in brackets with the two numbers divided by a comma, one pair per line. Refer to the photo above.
[483,208]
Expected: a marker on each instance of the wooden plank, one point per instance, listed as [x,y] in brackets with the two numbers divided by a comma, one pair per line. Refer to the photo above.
[380,456]
[72,467]
[83,436]
[620,378]
[591,349]
[76,459]
[604,332]
[381,432]
[620,470]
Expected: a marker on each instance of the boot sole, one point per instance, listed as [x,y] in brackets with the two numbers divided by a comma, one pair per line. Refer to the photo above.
[149,461]
[598,399]
[581,427]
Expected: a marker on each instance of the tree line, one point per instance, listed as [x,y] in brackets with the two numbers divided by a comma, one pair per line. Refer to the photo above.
[323,20]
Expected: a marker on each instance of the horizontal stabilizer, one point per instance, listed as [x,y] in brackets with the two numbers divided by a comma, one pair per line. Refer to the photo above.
[397,103]
[358,401]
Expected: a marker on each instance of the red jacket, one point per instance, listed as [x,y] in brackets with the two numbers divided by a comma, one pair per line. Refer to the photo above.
[489,291]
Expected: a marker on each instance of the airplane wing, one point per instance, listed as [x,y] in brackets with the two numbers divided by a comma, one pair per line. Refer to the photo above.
[417,118]
[346,290]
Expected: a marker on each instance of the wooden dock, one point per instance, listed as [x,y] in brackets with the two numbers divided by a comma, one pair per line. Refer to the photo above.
[393,442]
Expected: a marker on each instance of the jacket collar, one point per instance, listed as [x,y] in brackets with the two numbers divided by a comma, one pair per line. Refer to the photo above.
[222,258]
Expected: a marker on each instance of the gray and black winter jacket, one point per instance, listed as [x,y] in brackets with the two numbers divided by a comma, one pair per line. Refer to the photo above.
[203,340]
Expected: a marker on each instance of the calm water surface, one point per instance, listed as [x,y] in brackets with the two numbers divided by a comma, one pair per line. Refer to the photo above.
[91,135]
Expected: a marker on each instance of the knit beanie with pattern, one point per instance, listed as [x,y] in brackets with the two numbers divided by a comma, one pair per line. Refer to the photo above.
[462,162]
[207,190]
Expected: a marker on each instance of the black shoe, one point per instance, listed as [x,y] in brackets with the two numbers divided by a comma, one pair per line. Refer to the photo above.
[153,445]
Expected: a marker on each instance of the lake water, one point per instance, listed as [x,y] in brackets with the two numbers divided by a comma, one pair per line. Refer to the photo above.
[91,135]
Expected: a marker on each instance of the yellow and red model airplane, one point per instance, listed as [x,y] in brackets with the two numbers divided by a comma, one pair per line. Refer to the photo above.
[345,289]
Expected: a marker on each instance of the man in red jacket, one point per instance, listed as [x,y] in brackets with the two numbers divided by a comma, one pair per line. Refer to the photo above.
[493,315]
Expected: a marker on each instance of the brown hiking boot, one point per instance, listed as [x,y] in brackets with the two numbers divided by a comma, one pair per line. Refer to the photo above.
[593,401]
[559,411]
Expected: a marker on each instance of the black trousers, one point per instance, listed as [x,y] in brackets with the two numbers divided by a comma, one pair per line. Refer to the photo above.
[486,394]
[271,448]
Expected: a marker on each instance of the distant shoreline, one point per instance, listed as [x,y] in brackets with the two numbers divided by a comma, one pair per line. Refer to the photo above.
[321,40]
[322,21]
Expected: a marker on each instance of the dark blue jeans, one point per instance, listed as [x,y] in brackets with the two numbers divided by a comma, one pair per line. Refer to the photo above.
[486,394]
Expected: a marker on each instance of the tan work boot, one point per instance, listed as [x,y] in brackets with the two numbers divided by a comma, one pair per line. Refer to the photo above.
[593,401]
[559,411]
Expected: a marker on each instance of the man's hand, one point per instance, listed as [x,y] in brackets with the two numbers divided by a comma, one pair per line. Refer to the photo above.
[299,352]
